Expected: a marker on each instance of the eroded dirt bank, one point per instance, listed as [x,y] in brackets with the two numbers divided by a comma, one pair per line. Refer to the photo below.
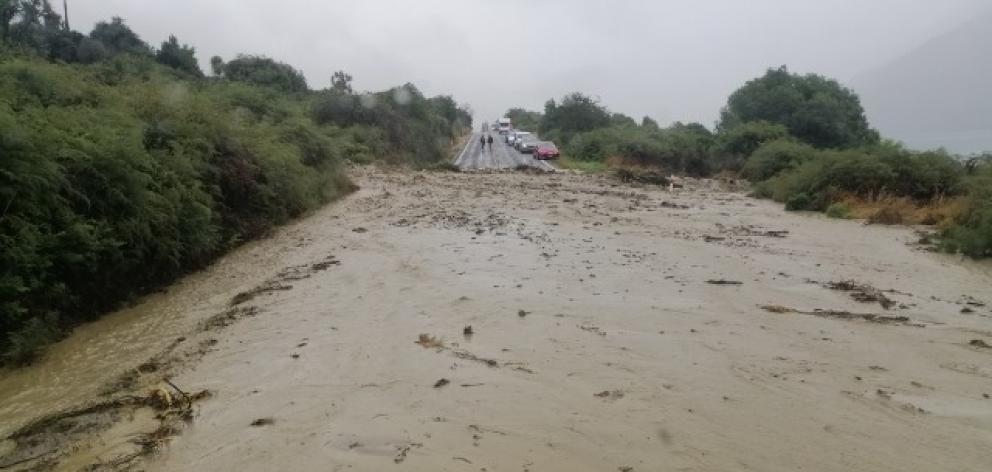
[612,328]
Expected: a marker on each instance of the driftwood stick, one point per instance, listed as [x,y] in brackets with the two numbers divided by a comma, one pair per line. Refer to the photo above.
[189,401]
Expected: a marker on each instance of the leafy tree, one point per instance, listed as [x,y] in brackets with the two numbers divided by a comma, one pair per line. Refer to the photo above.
[39,27]
[619,119]
[8,11]
[576,113]
[524,119]
[649,123]
[341,82]
[91,51]
[179,57]
[118,38]
[217,66]
[260,70]
[817,110]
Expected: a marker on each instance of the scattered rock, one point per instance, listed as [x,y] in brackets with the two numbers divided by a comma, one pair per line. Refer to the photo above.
[441,383]
[523,313]
[360,230]
[403,451]
[263,422]
[468,331]
[979,344]
[429,342]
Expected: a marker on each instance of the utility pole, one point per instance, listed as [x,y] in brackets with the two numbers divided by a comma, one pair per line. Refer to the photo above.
[65,16]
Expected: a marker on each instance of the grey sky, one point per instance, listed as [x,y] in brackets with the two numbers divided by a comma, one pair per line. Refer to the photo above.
[673,60]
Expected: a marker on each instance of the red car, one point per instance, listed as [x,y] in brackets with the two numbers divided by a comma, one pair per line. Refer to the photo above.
[546,151]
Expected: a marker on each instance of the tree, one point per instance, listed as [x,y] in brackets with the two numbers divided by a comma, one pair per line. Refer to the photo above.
[179,57]
[341,82]
[91,51]
[118,38]
[577,113]
[8,11]
[814,109]
[619,119]
[260,70]
[524,119]
[649,123]
[217,66]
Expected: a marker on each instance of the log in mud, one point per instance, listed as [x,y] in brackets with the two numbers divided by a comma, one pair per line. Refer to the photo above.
[531,321]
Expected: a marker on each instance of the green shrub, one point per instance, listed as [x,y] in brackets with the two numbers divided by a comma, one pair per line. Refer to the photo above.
[775,157]
[972,234]
[24,344]
[799,202]
[839,210]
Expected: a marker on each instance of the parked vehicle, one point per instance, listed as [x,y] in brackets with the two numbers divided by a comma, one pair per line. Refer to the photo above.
[526,144]
[546,151]
[516,136]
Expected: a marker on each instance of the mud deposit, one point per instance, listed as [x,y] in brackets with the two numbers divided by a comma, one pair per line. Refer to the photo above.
[531,322]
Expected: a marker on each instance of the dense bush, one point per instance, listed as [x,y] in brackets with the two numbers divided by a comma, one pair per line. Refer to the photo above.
[108,191]
[972,233]
[680,148]
[809,179]
[774,157]
[124,168]
[266,72]
[414,128]
[734,146]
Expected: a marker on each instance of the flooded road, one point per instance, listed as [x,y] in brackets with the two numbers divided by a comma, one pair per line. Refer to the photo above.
[611,328]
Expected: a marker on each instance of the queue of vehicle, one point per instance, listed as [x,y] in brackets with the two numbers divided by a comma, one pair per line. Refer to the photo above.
[526,142]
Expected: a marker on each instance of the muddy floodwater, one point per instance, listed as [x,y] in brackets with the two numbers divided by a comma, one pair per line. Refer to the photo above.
[521,322]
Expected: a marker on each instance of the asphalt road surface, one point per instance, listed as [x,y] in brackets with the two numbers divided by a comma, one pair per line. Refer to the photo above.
[502,156]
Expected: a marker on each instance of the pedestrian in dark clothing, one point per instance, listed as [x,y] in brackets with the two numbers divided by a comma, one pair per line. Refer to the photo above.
[490,141]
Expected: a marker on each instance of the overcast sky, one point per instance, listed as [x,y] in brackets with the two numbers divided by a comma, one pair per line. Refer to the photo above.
[672,60]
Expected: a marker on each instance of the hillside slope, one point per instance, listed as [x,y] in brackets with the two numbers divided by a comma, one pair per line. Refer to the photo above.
[939,94]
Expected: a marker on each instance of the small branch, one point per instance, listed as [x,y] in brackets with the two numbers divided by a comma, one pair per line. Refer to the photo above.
[189,401]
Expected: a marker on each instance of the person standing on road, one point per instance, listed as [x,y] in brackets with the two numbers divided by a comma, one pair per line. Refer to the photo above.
[490,141]
[482,141]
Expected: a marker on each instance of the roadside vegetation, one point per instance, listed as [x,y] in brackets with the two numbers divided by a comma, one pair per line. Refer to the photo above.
[802,140]
[124,166]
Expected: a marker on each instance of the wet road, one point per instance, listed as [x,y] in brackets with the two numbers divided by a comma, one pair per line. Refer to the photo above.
[502,156]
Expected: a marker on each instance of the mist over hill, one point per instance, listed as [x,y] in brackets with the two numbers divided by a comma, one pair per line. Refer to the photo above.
[937,95]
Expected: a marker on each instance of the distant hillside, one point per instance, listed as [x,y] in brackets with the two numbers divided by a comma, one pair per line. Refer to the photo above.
[937,95]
